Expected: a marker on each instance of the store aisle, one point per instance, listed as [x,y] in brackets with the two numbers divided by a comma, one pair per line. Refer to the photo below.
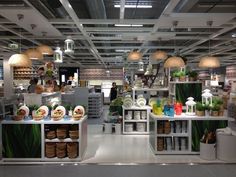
[123,149]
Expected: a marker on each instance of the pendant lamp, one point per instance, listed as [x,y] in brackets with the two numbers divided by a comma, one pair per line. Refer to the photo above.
[159,55]
[174,62]
[34,54]
[134,56]
[69,45]
[209,61]
[58,57]
[140,66]
[45,50]
[20,60]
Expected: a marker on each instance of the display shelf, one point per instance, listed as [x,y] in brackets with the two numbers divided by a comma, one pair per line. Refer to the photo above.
[151,89]
[137,108]
[185,82]
[66,140]
[82,140]
[157,124]
[24,72]
[144,120]
[173,135]
[147,109]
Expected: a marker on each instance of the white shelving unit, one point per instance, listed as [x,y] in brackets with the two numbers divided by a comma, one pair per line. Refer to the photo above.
[155,133]
[134,122]
[161,89]
[95,105]
[82,140]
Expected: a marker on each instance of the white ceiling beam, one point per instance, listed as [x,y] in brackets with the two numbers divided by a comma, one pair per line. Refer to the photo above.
[122,9]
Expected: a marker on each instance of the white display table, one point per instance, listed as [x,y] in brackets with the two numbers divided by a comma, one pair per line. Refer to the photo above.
[182,135]
[82,140]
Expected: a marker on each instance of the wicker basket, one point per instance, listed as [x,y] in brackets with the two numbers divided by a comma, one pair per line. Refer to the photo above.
[167,127]
[72,150]
[160,144]
[61,150]
[50,150]
[18,117]
[74,134]
[51,134]
[61,133]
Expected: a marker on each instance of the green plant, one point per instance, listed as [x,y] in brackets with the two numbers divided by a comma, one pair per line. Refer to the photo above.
[200,106]
[206,107]
[35,107]
[55,106]
[67,107]
[182,73]
[193,74]
[217,101]
[215,107]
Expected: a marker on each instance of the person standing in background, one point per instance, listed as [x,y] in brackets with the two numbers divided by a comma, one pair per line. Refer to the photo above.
[113,93]
[33,83]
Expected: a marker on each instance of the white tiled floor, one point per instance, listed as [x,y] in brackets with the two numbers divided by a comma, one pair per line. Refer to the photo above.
[126,149]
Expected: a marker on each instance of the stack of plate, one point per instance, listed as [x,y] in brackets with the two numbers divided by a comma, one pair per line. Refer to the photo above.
[50,150]
[128,102]
[141,127]
[143,114]
[61,150]
[74,134]
[51,134]
[137,115]
[129,115]
[72,150]
[129,127]
[141,101]
[61,132]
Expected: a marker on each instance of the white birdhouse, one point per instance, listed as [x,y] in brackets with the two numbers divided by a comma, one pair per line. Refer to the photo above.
[190,106]
[58,57]
[207,97]
[69,46]
[140,66]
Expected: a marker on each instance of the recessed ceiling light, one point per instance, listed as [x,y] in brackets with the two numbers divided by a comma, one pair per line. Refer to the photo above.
[233,35]
[127,25]
[134,6]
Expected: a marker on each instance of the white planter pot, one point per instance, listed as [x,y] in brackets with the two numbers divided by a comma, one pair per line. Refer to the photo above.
[108,128]
[118,129]
[208,151]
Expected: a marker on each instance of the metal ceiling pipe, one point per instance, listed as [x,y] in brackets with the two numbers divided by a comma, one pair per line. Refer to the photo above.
[58,8]
[96,9]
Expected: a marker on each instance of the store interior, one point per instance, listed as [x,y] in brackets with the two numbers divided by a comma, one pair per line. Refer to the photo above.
[117,82]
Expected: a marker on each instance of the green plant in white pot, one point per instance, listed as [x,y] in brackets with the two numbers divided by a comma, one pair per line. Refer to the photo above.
[208,145]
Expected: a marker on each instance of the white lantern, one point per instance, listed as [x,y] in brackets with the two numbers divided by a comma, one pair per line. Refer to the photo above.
[69,46]
[140,66]
[207,97]
[58,57]
[190,106]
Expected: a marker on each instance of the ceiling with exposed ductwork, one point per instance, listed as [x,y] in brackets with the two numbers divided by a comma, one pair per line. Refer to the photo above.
[105,31]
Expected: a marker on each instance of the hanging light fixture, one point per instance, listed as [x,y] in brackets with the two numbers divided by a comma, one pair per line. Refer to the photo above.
[134,56]
[209,61]
[140,66]
[159,55]
[174,62]
[45,50]
[34,54]
[58,56]
[19,59]
[69,45]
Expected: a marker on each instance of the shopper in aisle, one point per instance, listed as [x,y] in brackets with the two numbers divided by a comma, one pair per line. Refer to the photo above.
[113,93]
[33,83]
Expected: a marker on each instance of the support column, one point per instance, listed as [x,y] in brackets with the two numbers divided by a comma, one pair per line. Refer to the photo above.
[8,78]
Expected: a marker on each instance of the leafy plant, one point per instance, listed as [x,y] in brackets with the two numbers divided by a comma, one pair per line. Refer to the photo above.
[35,107]
[193,74]
[215,107]
[67,107]
[217,101]
[200,106]
[55,106]
[182,73]
[206,107]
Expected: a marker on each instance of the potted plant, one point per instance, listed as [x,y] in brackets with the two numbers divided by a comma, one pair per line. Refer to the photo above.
[219,101]
[208,145]
[182,75]
[215,110]
[67,107]
[175,76]
[207,109]
[35,108]
[200,109]
[192,75]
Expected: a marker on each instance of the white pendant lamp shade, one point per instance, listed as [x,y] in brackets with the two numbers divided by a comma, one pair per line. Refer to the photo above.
[159,55]
[20,60]
[45,50]
[34,54]
[209,62]
[58,57]
[69,46]
[174,62]
[140,66]
[134,56]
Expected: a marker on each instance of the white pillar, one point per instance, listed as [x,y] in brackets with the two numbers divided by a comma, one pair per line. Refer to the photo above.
[8,78]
